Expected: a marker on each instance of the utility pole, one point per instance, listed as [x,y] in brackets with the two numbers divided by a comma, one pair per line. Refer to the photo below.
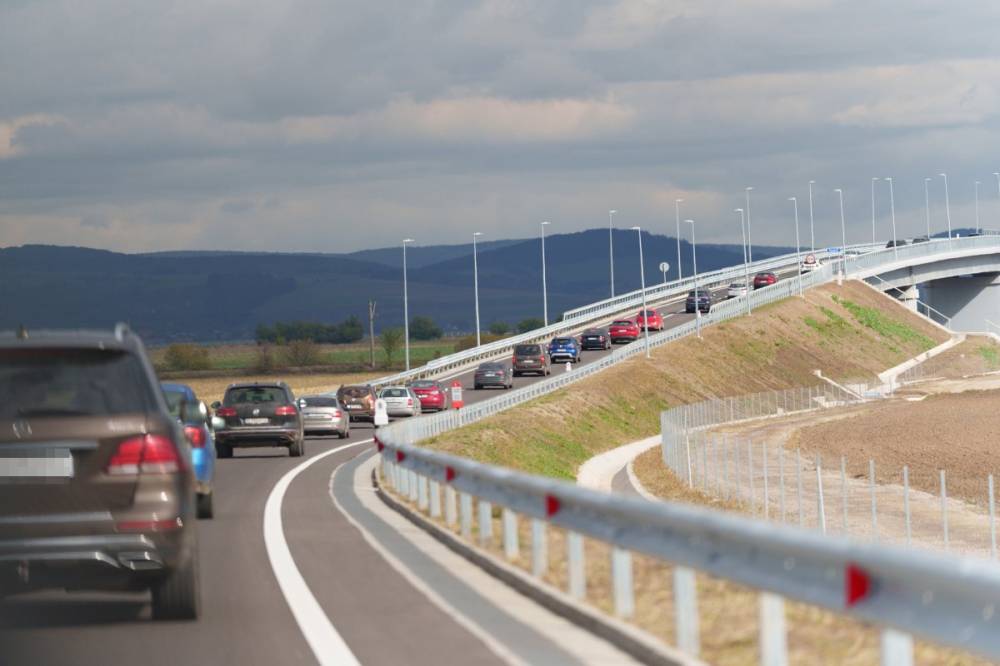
[371,333]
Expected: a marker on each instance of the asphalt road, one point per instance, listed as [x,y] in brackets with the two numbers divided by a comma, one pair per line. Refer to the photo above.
[245,619]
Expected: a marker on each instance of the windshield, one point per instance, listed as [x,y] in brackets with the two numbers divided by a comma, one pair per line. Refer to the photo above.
[423,383]
[353,391]
[492,367]
[648,313]
[394,393]
[174,401]
[623,322]
[71,382]
[242,395]
[319,401]
[562,341]
[527,350]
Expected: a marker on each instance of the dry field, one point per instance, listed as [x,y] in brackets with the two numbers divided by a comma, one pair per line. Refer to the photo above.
[212,388]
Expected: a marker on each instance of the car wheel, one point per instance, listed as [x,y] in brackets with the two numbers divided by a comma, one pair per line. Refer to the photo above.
[517,374]
[478,387]
[223,450]
[297,448]
[205,508]
[177,597]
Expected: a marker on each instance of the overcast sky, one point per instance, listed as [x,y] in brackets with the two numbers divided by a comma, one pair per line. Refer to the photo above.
[323,125]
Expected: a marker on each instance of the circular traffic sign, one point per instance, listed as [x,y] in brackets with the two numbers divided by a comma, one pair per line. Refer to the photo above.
[664,267]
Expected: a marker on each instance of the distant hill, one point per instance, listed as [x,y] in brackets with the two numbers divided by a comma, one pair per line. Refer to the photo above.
[210,296]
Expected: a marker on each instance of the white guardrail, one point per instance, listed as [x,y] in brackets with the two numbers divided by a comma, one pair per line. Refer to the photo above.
[949,600]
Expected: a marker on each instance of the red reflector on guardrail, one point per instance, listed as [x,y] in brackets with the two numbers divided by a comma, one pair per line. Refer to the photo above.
[857,584]
[449,474]
[552,505]
[379,445]
[400,456]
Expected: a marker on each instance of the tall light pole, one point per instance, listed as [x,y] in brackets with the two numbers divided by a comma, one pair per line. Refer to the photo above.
[927,205]
[746,265]
[947,203]
[892,209]
[977,206]
[812,224]
[642,282]
[694,258]
[749,241]
[874,179]
[798,243]
[677,216]
[611,247]
[545,289]
[997,174]
[406,305]
[843,235]
[475,281]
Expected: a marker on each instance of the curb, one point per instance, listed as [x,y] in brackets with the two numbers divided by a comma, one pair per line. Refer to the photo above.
[631,640]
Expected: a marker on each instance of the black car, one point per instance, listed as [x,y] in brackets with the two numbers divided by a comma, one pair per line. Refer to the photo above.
[920,239]
[897,243]
[595,338]
[702,302]
[494,374]
[259,414]
[530,358]
[96,486]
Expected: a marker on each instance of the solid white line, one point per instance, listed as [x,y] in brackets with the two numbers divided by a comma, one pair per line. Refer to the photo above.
[326,643]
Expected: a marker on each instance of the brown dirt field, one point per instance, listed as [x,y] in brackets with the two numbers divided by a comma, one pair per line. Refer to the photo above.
[977,354]
[212,389]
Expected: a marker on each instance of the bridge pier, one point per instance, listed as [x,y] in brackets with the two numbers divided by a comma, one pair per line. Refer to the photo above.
[970,300]
[909,296]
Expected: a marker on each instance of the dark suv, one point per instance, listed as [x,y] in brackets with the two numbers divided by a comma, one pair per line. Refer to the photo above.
[259,414]
[530,358]
[96,486]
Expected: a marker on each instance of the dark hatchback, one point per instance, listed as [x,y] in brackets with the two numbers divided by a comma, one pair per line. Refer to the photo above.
[259,414]
[700,300]
[493,374]
[96,486]
[595,338]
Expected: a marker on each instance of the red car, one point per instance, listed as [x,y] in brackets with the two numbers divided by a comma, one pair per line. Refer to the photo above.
[431,394]
[764,280]
[650,319]
[623,330]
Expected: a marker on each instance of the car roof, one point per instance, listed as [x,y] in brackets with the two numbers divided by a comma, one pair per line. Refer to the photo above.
[235,385]
[178,388]
[121,338]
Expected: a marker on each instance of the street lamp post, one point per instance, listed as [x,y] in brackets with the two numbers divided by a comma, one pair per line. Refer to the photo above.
[475,281]
[873,209]
[677,217]
[812,224]
[749,241]
[947,203]
[977,206]
[694,258]
[406,305]
[927,205]
[545,289]
[642,283]
[843,235]
[746,265]
[611,247]
[997,174]
[892,209]
[798,243]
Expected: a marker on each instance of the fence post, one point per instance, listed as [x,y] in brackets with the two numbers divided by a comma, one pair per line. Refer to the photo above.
[798,478]
[414,486]
[773,632]
[843,492]
[511,542]
[485,523]
[781,482]
[687,457]
[704,464]
[466,505]
[944,511]
[686,611]
[820,507]
[767,499]
[435,490]
[577,574]
[725,476]
[993,523]
[871,485]
[539,548]
[906,502]
[404,482]
[897,648]
[621,581]
[449,506]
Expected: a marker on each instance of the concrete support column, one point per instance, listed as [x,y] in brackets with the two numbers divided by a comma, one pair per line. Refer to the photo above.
[909,296]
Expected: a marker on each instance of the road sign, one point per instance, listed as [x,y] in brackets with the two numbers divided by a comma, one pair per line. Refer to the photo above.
[664,267]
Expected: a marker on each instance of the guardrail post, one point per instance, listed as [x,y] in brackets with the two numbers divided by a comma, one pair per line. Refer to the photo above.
[511,543]
[422,499]
[404,482]
[450,513]
[621,581]
[466,506]
[686,611]
[435,490]
[577,574]
[897,648]
[485,523]
[773,631]
[539,548]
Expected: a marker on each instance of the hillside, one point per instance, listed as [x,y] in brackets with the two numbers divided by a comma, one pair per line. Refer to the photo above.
[848,332]
[223,296]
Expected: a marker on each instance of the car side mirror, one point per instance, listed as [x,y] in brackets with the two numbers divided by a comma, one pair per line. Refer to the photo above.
[216,405]
[302,403]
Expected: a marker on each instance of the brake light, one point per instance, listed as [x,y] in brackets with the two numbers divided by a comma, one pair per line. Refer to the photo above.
[541,359]
[409,402]
[195,435]
[149,454]
[338,414]
[225,412]
[286,410]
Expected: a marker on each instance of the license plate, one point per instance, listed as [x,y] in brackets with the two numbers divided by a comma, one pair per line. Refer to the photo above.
[260,421]
[354,406]
[317,417]
[56,465]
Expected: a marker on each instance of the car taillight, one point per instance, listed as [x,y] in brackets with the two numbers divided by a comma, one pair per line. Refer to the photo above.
[225,412]
[286,410]
[195,435]
[149,454]
[602,338]
[541,359]
[338,414]
[409,402]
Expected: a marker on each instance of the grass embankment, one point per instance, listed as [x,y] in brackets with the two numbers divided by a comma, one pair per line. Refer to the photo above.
[848,332]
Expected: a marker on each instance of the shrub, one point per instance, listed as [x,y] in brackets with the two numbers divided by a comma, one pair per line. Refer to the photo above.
[264,361]
[499,328]
[529,324]
[301,353]
[391,339]
[469,341]
[186,356]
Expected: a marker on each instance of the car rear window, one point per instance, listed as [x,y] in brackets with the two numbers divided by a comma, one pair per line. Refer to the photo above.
[562,341]
[72,382]
[320,401]
[491,366]
[174,401]
[649,313]
[422,383]
[242,395]
[623,322]
[354,391]
[394,393]
[527,350]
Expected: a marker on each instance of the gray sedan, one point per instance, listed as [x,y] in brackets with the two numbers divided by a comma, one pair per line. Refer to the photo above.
[494,374]
[324,414]
[400,401]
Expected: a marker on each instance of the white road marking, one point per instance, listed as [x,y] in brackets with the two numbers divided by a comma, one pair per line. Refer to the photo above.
[326,643]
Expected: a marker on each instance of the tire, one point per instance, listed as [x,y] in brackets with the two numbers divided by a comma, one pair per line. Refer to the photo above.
[517,374]
[297,448]
[478,387]
[223,450]
[205,506]
[178,596]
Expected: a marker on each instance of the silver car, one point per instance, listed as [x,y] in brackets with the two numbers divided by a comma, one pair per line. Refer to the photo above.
[324,414]
[400,401]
